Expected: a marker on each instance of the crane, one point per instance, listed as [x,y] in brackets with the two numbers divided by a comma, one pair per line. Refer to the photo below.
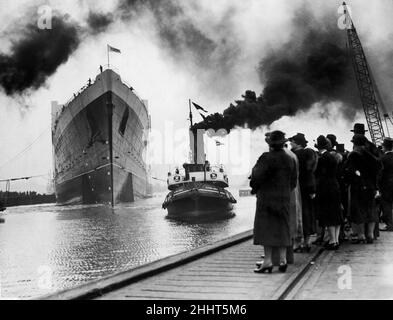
[369,94]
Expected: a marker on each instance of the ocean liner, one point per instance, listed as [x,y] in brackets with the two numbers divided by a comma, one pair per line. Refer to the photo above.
[99,142]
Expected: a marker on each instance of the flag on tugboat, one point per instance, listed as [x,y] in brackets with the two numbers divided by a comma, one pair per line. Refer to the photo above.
[203,116]
[198,107]
[218,143]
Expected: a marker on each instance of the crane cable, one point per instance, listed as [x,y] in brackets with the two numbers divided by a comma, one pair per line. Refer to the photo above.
[25,149]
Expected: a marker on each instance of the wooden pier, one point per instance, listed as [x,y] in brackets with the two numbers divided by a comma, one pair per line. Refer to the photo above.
[223,270]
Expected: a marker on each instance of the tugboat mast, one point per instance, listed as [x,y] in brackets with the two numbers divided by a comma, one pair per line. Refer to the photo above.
[191,124]
[194,136]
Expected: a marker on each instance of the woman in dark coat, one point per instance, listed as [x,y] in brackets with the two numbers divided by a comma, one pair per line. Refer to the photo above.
[273,179]
[328,200]
[360,172]
[307,166]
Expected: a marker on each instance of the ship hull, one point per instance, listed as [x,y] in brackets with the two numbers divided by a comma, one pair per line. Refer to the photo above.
[93,188]
[99,145]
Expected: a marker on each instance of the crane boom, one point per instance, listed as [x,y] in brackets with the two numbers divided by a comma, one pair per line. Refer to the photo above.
[364,81]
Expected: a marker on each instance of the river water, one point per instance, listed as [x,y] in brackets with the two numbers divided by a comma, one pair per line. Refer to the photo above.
[47,248]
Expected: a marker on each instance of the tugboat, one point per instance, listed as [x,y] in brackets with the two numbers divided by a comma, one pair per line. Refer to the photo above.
[198,189]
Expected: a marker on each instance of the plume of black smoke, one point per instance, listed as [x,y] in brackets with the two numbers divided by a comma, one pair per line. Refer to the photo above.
[314,66]
[36,55]
[99,22]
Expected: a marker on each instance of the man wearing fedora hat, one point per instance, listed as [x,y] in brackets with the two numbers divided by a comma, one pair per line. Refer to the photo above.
[307,165]
[385,184]
[359,129]
[273,178]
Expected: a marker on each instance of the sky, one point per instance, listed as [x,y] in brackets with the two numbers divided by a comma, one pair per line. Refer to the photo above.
[210,52]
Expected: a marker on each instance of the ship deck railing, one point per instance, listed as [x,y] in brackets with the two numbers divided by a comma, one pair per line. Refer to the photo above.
[110,67]
[104,67]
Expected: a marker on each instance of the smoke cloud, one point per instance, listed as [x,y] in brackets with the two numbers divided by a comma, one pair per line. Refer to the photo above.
[36,55]
[314,66]
[182,37]
[99,22]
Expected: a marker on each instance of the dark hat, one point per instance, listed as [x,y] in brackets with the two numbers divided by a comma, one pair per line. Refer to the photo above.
[267,136]
[277,138]
[299,139]
[359,140]
[388,143]
[359,128]
[333,139]
[322,143]
[340,148]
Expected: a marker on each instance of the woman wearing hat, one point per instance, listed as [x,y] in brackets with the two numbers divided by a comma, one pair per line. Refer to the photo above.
[328,200]
[360,172]
[273,178]
[307,166]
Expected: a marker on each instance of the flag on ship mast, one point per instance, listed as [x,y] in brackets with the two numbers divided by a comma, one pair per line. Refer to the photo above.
[112,49]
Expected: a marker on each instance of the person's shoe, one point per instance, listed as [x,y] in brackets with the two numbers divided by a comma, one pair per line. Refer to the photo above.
[359,241]
[318,241]
[331,246]
[386,229]
[370,240]
[283,267]
[307,249]
[327,244]
[259,263]
[336,246]
[262,269]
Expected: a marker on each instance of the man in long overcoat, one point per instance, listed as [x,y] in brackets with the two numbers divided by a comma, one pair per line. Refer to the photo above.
[273,179]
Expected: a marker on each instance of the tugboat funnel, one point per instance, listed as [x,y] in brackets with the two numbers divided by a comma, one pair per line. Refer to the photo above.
[197,146]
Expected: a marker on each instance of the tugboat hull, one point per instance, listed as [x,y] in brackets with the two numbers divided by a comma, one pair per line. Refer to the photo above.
[199,202]
[200,206]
